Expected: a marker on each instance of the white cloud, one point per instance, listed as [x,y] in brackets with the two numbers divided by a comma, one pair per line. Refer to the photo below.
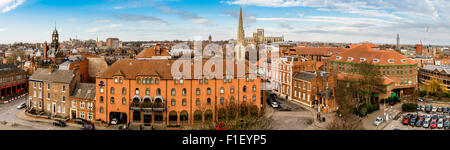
[8,5]
[102,21]
[103,28]
[2,29]
[266,3]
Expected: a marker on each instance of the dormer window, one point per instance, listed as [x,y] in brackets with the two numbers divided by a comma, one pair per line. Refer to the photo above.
[350,59]
[363,59]
[391,60]
[376,60]
[403,60]
[338,57]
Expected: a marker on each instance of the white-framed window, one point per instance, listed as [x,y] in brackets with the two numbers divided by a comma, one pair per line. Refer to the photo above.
[82,115]
[48,107]
[34,84]
[391,60]
[90,105]
[59,109]
[48,95]
[34,93]
[363,59]
[63,109]
[376,60]
[63,99]
[90,116]
[74,104]
[40,94]
[338,57]
[48,86]
[350,59]
[34,104]
[81,104]
[63,88]
[40,104]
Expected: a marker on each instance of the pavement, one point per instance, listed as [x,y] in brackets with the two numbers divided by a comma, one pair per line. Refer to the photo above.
[16,120]
[295,116]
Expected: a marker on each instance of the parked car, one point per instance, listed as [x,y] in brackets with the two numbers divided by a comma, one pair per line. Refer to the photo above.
[441,117]
[445,110]
[448,109]
[80,121]
[421,117]
[433,124]
[439,109]
[378,121]
[88,126]
[427,117]
[412,120]
[434,109]
[419,123]
[406,119]
[114,121]
[435,117]
[426,123]
[275,104]
[418,107]
[59,123]
[22,105]
[446,124]
[440,123]
[428,108]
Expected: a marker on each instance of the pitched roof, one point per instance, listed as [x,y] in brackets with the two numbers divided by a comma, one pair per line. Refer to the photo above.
[326,51]
[60,76]
[365,53]
[151,52]
[84,91]
[445,69]
[132,68]
[9,68]
[346,77]
[306,76]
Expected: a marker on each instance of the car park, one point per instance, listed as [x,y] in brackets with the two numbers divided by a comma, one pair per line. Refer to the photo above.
[445,110]
[418,107]
[439,109]
[440,123]
[419,123]
[427,117]
[446,124]
[378,121]
[434,109]
[428,108]
[406,119]
[426,123]
[441,117]
[433,124]
[412,120]
[59,123]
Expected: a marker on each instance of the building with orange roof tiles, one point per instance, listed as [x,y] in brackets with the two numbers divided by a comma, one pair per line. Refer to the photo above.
[399,72]
[143,91]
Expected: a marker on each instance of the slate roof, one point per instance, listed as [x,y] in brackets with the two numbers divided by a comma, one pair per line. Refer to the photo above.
[84,91]
[305,76]
[9,68]
[59,76]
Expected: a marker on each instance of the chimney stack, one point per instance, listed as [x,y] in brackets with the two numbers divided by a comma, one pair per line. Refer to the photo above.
[45,50]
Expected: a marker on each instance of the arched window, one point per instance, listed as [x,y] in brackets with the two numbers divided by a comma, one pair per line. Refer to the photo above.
[173,102]
[232,89]
[222,100]
[232,99]
[208,101]
[184,92]
[156,81]
[173,92]
[181,81]
[244,99]
[101,99]
[151,81]
[197,91]
[137,91]
[222,90]
[254,88]
[244,89]
[124,91]
[208,91]
[158,91]
[184,102]
[184,117]
[124,101]
[112,100]
[254,98]
[120,80]
[138,81]
[147,91]
[101,89]
[198,116]
[112,90]
[101,109]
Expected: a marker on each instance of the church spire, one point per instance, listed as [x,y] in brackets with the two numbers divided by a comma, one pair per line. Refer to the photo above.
[241,33]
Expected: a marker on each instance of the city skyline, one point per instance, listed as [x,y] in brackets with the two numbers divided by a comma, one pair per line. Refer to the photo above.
[144,20]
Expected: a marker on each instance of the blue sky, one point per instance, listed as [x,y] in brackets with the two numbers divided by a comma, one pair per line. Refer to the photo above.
[352,21]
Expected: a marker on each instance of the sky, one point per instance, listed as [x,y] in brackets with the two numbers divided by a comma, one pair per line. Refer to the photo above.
[348,21]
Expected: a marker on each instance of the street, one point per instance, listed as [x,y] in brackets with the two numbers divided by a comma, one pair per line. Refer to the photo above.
[9,112]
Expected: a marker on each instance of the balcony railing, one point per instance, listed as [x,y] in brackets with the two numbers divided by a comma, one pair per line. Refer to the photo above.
[148,106]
